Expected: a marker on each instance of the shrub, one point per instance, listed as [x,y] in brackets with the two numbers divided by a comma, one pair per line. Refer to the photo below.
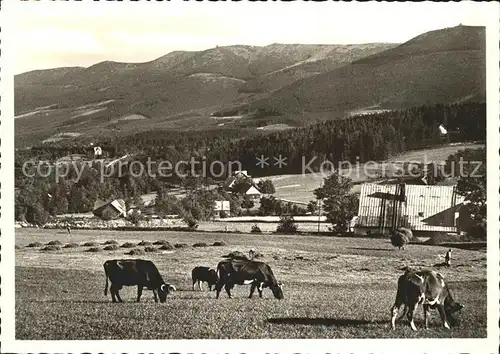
[256,229]
[128,245]
[477,232]
[181,245]
[223,214]
[166,246]
[286,225]
[200,244]
[150,249]
[399,239]
[136,252]
[112,247]
[93,249]
[219,243]
[51,248]
[191,222]
[111,242]
[72,245]
[144,243]
[135,217]
[91,244]
[55,243]
[35,244]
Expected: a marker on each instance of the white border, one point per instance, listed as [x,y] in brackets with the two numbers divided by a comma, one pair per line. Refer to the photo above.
[9,344]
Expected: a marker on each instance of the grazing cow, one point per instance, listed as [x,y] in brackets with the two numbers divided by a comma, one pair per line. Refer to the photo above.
[240,272]
[130,272]
[201,274]
[426,287]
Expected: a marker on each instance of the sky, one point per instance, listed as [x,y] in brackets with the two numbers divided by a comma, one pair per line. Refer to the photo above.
[48,34]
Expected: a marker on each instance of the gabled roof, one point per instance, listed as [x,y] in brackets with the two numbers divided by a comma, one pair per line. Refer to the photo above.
[425,208]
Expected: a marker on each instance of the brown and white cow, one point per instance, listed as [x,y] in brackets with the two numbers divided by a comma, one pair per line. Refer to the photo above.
[426,287]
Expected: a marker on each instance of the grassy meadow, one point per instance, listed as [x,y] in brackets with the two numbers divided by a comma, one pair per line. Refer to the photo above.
[334,288]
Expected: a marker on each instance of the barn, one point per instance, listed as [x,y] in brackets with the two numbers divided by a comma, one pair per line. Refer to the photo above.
[114,208]
[423,209]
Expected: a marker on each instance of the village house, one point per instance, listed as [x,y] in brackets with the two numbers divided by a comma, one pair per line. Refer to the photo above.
[113,209]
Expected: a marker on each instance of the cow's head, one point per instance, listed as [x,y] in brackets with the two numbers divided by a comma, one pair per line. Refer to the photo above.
[277,290]
[164,290]
[452,308]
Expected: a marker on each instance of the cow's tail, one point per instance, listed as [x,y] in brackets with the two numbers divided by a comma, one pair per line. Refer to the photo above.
[106,275]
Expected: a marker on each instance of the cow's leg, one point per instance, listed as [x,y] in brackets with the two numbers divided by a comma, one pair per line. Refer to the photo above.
[426,316]
[443,316]
[411,312]
[252,289]
[209,286]
[259,289]
[118,295]
[194,283]
[228,290]
[200,285]
[139,293]
[218,288]
[394,313]
[112,290]
[155,295]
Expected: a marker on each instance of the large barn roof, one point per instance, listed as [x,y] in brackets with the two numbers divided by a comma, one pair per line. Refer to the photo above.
[422,208]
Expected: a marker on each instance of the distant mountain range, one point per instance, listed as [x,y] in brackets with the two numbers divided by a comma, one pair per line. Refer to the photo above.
[248,88]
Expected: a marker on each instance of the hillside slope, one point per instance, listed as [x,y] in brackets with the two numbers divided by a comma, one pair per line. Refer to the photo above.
[443,66]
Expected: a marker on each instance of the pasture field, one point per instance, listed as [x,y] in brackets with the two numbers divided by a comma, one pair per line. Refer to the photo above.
[300,188]
[334,288]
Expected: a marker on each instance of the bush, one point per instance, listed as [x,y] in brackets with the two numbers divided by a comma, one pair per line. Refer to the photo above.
[200,244]
[191,222]
[135,252]
[223,214]
[144,243]
[477,232]
[112,247]
[135,217]
[35,244]
[128,245]
[111,242]
[91,244]
[72,245]
[256,229]
[286,225]
[55,243]
[219,243]
[51,248]
[150,249]
[94,249]
[399,239]
[181,245]
[167,247]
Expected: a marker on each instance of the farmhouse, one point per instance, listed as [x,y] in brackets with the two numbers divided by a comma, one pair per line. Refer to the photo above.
[422,208]
[114,208]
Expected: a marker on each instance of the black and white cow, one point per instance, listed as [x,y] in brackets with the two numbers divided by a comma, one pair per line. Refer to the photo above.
[204,274]
[241,272]
[426,287]
[131,272]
